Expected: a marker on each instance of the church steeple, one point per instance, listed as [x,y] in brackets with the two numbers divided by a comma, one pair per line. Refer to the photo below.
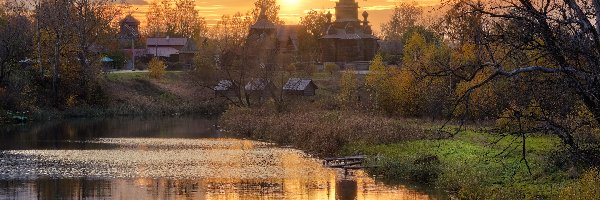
[346,11]
[349,38]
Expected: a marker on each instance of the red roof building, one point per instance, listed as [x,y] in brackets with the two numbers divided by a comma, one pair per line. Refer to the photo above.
[175,49]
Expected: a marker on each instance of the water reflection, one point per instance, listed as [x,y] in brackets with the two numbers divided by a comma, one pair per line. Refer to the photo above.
[110,159]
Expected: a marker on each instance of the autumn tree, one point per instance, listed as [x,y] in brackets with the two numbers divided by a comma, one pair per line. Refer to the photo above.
[349,88]
[407,90]
[70,34]
[395,32]
[91,25]
[548,52]
[177,18]
[271,10]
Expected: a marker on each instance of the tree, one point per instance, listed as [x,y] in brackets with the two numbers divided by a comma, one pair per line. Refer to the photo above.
[377,82]
[309,34]
[178,18]
[271,10]
[71,33]
[227,41]
[348,94]
[548,52]
[404,17]
[54,18]
[91,25]
[15,37]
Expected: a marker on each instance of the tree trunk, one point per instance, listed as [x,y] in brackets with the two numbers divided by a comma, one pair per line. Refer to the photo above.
[2,71]
[55,69]
[597,14]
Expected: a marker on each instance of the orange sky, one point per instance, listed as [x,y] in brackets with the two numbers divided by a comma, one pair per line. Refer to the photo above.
[291,10]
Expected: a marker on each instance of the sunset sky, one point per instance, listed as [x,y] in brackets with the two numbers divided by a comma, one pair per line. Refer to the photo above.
[291,10]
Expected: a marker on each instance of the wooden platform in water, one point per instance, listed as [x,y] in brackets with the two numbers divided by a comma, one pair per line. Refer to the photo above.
[350,162]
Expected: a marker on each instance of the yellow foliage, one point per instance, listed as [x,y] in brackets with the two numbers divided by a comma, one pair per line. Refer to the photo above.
[332,68]
[71,101]
[414,49]
[588,187]
[349,89]
[377,72]
[157,68]
[392,90]
[480,99]
[464,55]
[290,68]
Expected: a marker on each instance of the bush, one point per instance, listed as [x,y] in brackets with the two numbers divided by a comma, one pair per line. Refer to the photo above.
[307,69]
[332,68]
[291,68]
[588,187]
[157,68]
[320,132]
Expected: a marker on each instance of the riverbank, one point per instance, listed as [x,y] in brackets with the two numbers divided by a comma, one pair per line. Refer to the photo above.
[474,164]
[134,94]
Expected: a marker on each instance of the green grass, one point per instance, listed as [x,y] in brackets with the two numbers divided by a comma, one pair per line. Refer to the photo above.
[322,76]
[127,75]
[471,165]
[136,75]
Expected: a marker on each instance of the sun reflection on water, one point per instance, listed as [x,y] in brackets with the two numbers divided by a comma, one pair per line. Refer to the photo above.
[182,169]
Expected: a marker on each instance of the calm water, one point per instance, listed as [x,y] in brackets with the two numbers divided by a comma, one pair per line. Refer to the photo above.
[172,158]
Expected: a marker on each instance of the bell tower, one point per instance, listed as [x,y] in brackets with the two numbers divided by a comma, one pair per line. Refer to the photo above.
[348,39]
[346,11]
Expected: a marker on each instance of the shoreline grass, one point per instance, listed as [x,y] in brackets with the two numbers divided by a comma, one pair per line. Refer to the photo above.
[474,164]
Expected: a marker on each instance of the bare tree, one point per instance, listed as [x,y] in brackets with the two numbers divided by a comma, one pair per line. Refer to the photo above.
[15,37]
[54,17]
[91,25]
[551,48]
[75,32]
[404,17]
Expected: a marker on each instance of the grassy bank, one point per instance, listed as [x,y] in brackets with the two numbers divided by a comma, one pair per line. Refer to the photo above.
[135,94]
[474,164]
[176,93]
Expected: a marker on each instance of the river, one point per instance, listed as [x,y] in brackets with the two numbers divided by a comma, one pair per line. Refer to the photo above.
[166,158]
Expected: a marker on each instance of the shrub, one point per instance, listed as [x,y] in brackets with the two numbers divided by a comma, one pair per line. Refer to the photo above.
[157,68]
[588,187]
[332,68]
[307,69]
[291,68]
[320,132]
[348,94]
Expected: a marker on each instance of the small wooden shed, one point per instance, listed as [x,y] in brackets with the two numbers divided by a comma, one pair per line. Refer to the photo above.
[225,88]
[260,87]
[300,87]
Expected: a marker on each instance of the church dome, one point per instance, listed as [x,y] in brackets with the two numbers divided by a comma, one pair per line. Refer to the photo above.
[129,19]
